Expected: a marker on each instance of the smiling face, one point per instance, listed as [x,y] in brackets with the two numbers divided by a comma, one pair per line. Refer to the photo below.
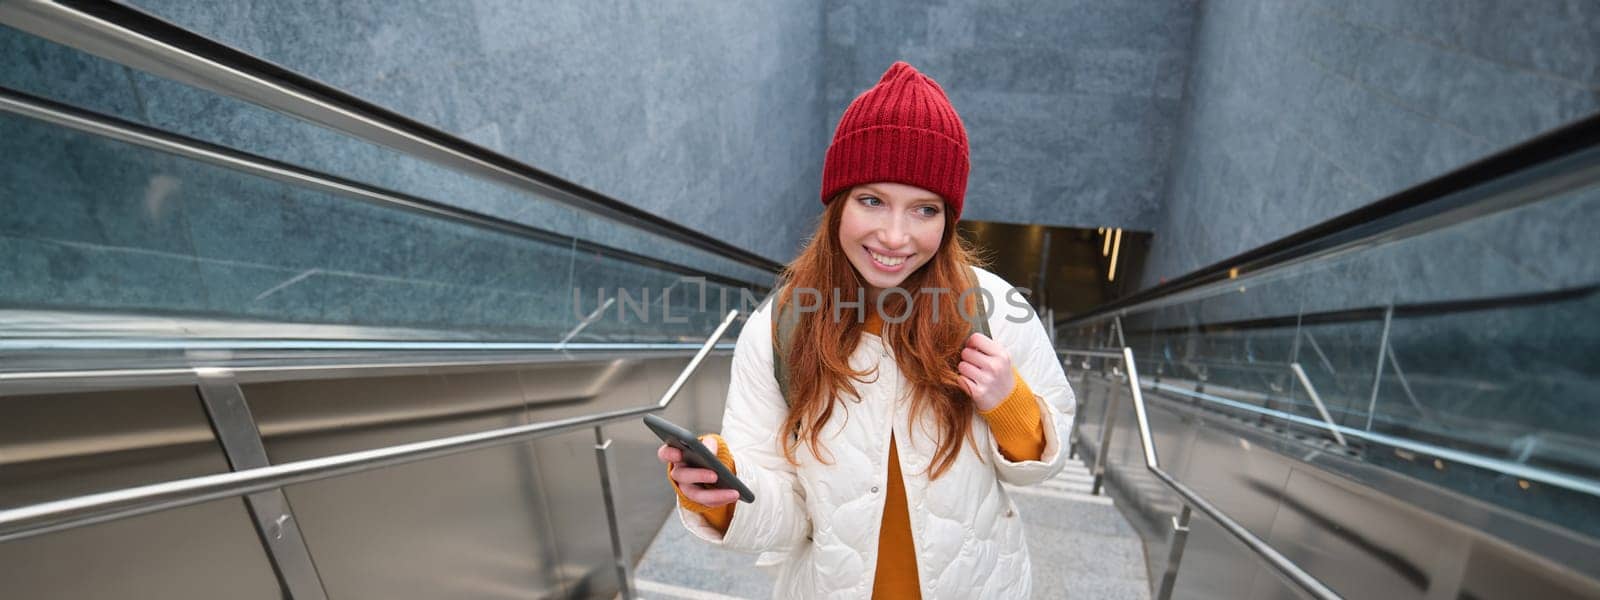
[889,230]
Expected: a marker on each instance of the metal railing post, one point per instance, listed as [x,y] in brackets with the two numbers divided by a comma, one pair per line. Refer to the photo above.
[1077,410]
[274,519]
[1107,422]
[619,547]
[1084,399]
[1180,537]
[1050,325]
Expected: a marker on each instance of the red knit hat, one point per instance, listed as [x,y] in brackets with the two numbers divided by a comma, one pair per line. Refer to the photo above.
[903,130]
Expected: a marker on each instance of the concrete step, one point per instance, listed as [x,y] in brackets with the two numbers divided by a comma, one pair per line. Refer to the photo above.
[1064,496]
[1081,549]
[1060,487]
[1073,480]
[649,590]
[676,565]
[1080,546]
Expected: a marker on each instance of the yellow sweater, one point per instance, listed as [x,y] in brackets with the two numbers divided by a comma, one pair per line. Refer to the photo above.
[1019,432]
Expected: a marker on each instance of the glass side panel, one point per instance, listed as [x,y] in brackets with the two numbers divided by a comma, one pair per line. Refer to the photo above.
[78,79]
[1466,355]
[104,240]
[92,227]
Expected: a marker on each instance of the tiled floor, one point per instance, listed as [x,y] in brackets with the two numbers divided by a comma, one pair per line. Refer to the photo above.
[1080,545]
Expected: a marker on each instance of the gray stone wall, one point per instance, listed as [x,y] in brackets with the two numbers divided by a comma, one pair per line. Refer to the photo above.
[1300,110]
[1070,107]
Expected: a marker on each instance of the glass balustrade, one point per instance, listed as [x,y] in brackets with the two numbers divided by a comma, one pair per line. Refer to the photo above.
[1465,353]
[107,238]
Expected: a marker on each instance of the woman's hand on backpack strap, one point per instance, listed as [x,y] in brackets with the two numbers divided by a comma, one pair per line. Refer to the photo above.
[689,478]
[986,372]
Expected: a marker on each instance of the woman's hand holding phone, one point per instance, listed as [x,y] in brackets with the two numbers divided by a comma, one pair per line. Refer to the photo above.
[690,478]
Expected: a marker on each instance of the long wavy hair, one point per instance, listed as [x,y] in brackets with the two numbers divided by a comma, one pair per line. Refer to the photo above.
[927,352]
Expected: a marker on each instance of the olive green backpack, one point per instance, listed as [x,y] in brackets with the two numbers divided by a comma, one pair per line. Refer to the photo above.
[786,321]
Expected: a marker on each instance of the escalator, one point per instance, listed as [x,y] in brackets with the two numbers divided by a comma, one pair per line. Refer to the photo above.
[1398,403]
[261,338]
[278,342]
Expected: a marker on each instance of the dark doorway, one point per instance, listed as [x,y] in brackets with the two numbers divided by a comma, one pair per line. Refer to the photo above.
[1068,269]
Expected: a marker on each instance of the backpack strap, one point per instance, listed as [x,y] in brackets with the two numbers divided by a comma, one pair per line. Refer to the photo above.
[982,324]
[786,319]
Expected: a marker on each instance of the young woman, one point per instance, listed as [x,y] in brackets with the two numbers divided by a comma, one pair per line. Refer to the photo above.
[877,469]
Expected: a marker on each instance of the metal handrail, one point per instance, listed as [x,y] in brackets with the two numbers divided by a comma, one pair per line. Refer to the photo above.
[70,513]
[46,344]
[322,366]
[1495,465]
[1503,467]
[130,37]
[1386,352]
[1283,564]
[694,363]
[1193,500]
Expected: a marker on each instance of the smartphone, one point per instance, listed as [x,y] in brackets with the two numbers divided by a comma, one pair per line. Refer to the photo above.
[696,454]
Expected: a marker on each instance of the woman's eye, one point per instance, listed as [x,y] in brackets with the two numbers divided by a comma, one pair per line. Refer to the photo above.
[870,201]
[928,211]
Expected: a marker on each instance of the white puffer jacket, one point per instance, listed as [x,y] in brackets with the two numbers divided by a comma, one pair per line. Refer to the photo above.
[821,521]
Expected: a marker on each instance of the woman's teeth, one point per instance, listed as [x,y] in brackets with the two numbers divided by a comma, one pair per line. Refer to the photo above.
[886,260]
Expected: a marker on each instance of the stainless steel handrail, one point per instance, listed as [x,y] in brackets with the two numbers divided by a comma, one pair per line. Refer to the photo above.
[44,344]
[1495,465]
[70,513]
[1503,467]
[1281,563]
[58,515]
[694,363]
[316,365]
[1386,352]
[127,36]
[1193,500]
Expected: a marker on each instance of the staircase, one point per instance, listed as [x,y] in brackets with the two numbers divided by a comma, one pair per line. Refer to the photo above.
[1081,548]
[1080,545]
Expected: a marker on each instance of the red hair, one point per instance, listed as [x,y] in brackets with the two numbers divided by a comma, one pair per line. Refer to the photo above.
[927,352]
